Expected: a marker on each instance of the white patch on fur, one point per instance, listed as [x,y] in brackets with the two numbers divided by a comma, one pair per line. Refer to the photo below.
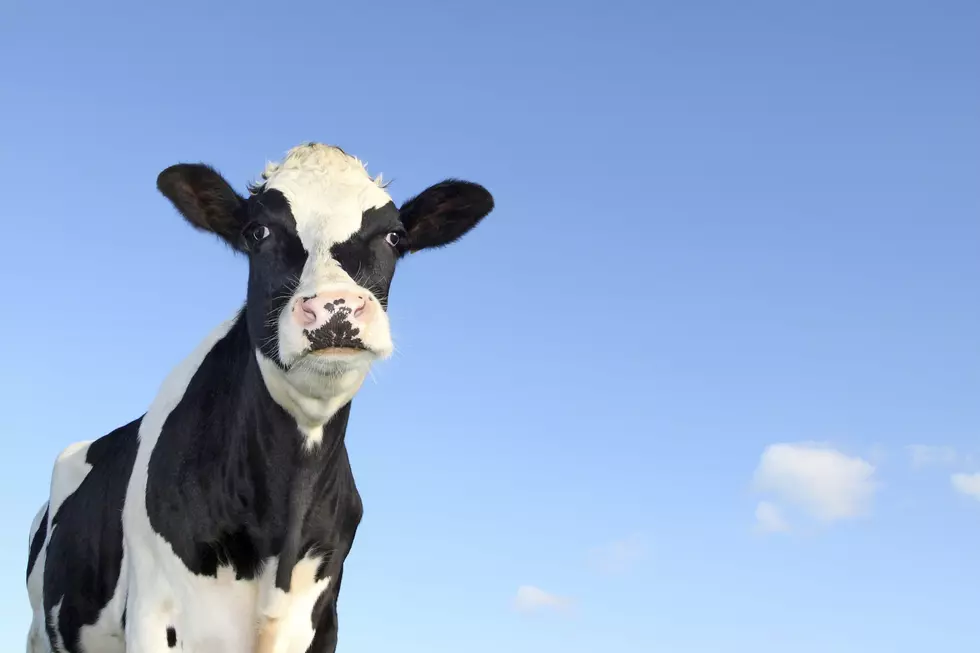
[284,619]
[205,612]
[58,645]
[328,191]
[313,396]
[37,640]
[70,469]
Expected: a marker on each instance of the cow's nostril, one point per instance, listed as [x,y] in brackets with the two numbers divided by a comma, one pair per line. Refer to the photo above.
[305,312]
[361,305]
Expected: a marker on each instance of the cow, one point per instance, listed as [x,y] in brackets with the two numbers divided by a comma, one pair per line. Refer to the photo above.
[220,519]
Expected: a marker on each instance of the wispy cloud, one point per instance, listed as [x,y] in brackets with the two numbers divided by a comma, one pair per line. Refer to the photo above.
[530,599]
[926,455]
[769,518]
[619,556]
[968,484]
[823,482]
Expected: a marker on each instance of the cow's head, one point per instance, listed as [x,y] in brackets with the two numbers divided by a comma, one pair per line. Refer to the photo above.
[322,239]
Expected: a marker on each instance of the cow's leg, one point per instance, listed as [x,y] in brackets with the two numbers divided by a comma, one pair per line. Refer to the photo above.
[325,639]
[325,617]
[181,611]
[37,638]
[152,605]
[150,616]
[285,616]
[170,608]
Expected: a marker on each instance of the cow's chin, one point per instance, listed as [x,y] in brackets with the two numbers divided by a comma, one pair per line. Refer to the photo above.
[316,385]
[329,361]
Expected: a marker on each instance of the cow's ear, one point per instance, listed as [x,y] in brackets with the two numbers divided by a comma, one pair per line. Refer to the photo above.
[442,213]
[205,200]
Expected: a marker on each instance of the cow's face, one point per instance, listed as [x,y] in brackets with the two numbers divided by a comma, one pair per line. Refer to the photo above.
[323,239]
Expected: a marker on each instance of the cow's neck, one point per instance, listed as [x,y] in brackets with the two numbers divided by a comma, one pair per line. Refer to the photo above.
[238,453]
[312,400]
[243,395]
[317,404]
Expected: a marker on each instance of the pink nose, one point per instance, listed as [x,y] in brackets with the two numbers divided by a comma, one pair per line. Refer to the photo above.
[313,312]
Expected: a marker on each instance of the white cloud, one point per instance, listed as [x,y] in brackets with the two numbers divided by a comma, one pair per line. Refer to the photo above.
[769,518]
[825,483]
[533,599]
[923,455]
[968,484]
[619,556]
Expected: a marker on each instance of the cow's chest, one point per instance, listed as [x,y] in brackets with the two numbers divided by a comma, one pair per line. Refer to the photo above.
[243,511]
[194,613]
[262,548]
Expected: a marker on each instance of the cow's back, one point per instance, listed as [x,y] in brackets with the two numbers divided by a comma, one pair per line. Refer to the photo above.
[75,574]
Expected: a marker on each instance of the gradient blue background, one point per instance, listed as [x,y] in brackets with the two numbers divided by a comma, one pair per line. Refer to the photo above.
[718,226]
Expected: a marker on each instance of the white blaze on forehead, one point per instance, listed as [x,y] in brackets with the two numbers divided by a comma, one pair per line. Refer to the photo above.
[327,190]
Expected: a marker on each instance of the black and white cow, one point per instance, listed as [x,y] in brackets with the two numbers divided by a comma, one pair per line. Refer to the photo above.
[219,520]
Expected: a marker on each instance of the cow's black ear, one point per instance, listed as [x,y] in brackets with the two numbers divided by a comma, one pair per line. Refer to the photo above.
[205,200]
[444,212]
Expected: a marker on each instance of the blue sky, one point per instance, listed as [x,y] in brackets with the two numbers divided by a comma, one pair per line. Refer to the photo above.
[706,380]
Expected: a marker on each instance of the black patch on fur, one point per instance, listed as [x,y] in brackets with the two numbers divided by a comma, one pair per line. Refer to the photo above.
[84,555]
[335,332]
[442,213]
[275,266]
[230,481]
[171,637]
[366,257]
[37,542]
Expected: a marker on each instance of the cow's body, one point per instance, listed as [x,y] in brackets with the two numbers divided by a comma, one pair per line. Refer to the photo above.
[220,520]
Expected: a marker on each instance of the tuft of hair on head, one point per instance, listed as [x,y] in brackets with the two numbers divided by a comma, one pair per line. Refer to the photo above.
[304,152]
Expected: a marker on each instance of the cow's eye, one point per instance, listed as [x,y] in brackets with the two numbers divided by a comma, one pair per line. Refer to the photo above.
[255,233]
[393,238]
